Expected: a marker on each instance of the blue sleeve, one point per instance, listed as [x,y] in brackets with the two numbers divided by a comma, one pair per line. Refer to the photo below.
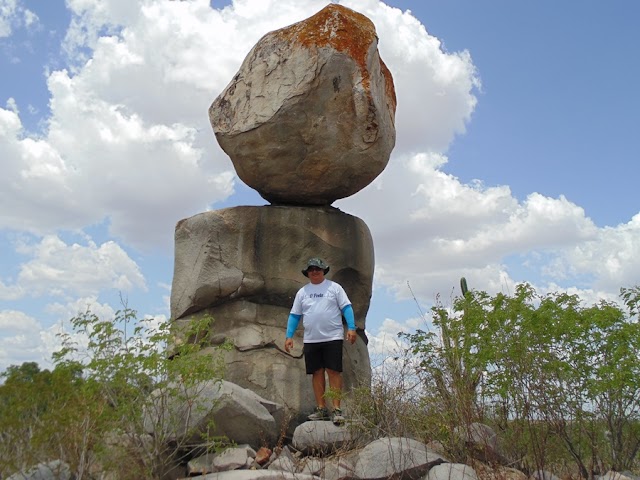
[349,317]
[292,324]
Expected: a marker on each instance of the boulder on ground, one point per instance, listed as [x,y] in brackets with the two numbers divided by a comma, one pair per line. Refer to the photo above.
[233,411]
[324,437]
[53,470]
[452,471]
[388,456]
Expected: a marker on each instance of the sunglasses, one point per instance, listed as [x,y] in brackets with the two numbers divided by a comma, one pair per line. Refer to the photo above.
[314,269]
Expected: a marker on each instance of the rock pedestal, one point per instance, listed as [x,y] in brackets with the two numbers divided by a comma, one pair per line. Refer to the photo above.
[242,266]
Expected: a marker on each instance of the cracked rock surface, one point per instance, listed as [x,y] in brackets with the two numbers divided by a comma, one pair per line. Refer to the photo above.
[242,265]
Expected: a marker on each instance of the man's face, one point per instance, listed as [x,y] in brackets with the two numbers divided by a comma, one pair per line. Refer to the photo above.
[316,274]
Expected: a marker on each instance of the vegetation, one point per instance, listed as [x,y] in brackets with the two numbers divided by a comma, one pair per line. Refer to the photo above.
[103,407]
[559,381]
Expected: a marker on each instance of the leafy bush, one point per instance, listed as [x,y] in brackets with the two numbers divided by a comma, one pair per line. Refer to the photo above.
[547,372]
[90,410]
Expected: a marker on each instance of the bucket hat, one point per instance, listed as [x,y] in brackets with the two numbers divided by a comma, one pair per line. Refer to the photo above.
[315,262]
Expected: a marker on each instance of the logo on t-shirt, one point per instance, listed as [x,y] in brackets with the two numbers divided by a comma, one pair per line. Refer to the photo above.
[317,295]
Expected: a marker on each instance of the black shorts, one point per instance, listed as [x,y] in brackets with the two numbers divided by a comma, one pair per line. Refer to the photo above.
[323,355]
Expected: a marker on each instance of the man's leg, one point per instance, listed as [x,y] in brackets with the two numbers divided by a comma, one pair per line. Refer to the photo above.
[335,384]
[319,386]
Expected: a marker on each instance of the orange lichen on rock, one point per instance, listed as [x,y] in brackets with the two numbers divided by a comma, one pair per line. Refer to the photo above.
[340,28]
[390,88]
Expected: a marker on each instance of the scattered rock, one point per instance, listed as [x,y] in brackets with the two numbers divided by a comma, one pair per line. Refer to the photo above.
[387,456]
[452,471]
[54,470]
[338,467]
[543,475]
[263,455]
[285,462]
[323,437]
[233,458]
[482,443]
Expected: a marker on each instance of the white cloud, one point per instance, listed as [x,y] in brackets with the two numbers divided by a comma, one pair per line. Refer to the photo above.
[385,342]
[15,321]
[611,257]
[7,15]
[14,15]
[79,306]
[22,339]
[433,229]
[58,269]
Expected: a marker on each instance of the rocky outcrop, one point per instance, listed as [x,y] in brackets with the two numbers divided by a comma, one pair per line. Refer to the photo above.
[309,117]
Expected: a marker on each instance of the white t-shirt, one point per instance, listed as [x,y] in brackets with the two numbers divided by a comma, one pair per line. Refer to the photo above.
[321,309]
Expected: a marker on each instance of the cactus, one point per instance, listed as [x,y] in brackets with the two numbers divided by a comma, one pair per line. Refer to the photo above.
[463,286]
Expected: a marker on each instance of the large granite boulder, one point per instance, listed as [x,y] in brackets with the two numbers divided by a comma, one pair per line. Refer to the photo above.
[242,266]
[256,254]
[309,117]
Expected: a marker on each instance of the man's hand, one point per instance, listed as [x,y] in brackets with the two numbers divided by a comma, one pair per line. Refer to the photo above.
[288,344]
[351,336]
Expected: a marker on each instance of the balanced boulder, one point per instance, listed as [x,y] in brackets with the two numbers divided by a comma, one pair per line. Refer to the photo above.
[309,118]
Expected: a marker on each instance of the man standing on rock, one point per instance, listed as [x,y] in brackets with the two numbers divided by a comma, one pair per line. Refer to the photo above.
[322,303]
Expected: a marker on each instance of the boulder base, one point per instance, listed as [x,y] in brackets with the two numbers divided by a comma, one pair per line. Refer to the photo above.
[242,266]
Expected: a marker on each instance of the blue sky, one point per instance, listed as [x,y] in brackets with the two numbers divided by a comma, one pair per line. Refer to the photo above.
[517,153]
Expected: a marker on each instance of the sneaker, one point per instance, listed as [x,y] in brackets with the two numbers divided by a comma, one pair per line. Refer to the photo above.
[320,413]
[337,417]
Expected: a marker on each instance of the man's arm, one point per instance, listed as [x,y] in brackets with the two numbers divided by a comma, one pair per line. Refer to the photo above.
[292,325]
[349,316]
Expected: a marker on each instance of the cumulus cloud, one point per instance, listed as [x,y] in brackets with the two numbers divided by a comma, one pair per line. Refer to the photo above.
[61,270]
[385,341]
[22,339]
[11,320]
[65,311]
